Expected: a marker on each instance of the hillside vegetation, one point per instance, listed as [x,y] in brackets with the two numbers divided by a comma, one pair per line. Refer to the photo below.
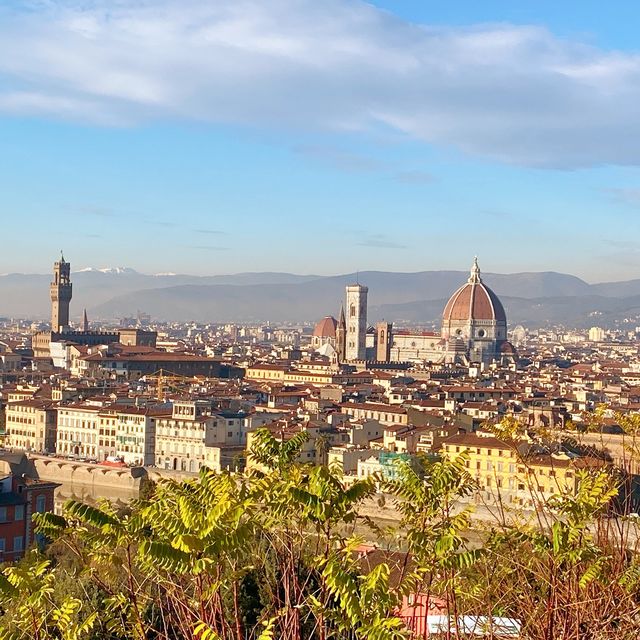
[272,554]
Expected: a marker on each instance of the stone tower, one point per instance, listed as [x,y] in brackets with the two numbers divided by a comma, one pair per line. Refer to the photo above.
[384,332]
[61,291]
[356,339]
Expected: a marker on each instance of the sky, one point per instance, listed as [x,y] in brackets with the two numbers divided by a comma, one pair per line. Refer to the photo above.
[211,137]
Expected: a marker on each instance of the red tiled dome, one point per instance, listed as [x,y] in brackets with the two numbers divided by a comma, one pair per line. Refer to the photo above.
[474,301]
[326,328]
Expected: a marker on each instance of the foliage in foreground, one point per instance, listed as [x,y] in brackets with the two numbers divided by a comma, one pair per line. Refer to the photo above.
[275,554]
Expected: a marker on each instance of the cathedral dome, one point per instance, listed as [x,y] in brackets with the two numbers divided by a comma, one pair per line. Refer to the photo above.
[474,301]
[326,328]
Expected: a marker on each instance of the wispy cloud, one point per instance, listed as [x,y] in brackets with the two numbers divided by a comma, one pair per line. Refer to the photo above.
[516,94]
[627,246]
[211,232]
[168,224]
[380,241]
[415,177]
[628,196]
[93,210]
[340,159]
[206,247]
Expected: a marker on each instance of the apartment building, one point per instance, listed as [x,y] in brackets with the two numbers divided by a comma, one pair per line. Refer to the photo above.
[182,437]
[518,475]
[79,431]
[31,425]
[129,433]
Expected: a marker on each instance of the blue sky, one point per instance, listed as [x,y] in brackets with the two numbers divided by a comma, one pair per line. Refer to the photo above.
[292,135]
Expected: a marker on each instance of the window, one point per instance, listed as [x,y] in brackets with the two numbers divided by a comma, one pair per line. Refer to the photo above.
[41,503]
[3,514]
[2,545]
[19,512]
[18,543]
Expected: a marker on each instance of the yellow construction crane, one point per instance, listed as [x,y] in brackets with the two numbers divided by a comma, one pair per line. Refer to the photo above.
[166,380]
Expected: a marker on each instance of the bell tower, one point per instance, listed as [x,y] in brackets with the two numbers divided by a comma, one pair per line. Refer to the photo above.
[60,291]
[356,347]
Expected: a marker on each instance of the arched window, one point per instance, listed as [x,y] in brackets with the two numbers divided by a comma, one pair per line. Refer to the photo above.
[352,311]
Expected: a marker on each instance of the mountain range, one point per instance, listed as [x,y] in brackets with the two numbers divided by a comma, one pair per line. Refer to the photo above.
[533,299]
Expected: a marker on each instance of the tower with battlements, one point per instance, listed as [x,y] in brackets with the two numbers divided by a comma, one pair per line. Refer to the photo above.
[61,292]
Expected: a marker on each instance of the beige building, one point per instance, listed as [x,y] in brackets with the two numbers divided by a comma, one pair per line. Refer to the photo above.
[523,479]
[78,431]
[383,413]
[31,425]
[182,438]
[131,432]
[347,457]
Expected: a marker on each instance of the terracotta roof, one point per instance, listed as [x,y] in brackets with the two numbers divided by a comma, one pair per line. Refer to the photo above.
[326,328]
[474,301]
[371,406]
[474,440]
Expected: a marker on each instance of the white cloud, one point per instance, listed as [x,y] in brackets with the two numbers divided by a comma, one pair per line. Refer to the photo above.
[515,94]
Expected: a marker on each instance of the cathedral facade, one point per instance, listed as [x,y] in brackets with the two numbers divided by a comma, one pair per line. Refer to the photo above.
[473,330]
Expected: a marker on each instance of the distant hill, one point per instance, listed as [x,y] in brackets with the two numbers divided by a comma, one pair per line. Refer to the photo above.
[27,295]
[529,298]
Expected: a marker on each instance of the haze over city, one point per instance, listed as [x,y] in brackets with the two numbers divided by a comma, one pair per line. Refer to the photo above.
[212,137]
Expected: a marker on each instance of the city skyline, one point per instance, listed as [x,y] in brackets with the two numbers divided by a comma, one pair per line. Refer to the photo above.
[385,136]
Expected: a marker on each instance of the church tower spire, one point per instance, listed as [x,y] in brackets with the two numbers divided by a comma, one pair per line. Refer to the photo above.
[61,292]
[85,321]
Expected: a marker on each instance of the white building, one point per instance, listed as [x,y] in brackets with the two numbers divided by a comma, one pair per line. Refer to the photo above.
[356,338]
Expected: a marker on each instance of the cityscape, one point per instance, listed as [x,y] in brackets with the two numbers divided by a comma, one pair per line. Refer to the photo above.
[93,411]
[319,321]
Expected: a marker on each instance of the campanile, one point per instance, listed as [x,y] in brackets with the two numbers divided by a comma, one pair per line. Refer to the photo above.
[60,290]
